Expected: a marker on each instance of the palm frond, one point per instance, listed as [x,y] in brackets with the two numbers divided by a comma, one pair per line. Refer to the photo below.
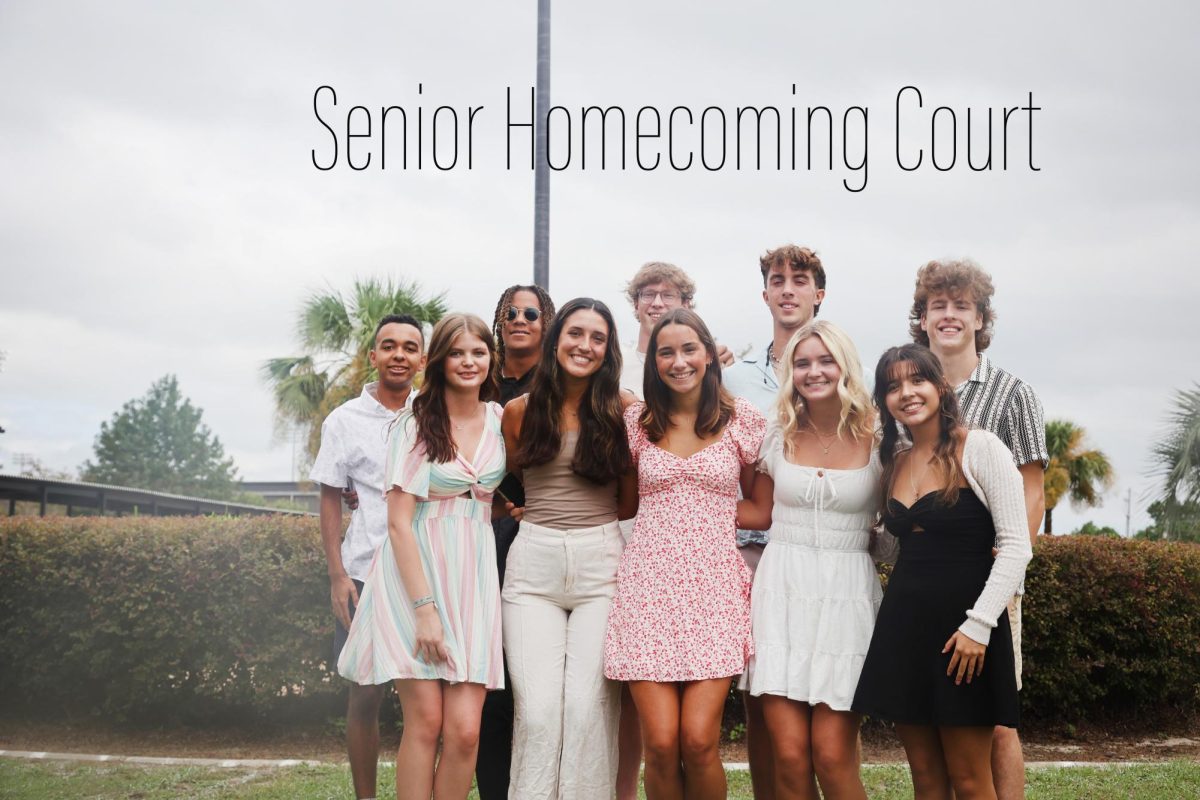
[325,323]
[338,330]
[274,370]
[1091,473]
[1176,456]
[1074,471]
[1056,483]
[1058,436]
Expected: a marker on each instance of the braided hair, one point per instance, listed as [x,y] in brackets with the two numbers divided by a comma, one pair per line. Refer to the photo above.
[545,305]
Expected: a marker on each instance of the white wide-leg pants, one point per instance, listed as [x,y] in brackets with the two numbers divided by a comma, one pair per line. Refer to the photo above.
[558,586]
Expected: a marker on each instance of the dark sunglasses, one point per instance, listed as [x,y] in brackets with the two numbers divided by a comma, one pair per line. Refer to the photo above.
[531,314]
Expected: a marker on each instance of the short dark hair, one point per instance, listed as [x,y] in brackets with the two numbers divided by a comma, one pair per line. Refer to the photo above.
[794,259]
[399,319]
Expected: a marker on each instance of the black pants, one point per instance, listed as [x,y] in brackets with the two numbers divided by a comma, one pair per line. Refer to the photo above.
[496,727]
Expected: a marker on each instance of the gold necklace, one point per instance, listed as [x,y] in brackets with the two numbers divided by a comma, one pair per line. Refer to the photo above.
[915,484]
[825,448]
[458,426]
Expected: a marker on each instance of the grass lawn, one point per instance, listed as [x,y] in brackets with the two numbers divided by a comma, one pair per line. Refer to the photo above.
[21,780]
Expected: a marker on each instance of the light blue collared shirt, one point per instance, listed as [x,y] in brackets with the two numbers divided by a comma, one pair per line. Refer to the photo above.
[755,380]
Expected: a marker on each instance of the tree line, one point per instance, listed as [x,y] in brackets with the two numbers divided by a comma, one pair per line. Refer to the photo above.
[160,442]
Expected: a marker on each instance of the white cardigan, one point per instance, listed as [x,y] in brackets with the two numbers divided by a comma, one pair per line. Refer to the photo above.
[989,469]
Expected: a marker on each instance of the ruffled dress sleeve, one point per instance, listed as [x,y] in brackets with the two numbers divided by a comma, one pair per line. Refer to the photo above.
[407,465]
[634,431]
[747,429]
[771,449]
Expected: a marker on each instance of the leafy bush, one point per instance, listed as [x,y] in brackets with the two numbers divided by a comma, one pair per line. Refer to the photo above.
[1111,629]
[215,619]
[165,619]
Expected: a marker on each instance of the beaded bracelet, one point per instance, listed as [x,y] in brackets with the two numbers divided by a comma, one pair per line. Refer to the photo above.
[422,601]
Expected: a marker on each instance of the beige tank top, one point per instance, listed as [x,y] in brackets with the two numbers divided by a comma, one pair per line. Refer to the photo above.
[555,497]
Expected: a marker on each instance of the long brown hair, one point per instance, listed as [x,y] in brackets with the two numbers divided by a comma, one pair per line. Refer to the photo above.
[716,403]
[429,406]
[921,361]
[602,450]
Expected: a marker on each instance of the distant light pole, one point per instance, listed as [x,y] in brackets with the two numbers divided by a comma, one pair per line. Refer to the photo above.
[541,169]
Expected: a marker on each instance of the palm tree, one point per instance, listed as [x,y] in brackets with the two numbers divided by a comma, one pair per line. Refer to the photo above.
[1176,457]
[1081,474]
[337,333]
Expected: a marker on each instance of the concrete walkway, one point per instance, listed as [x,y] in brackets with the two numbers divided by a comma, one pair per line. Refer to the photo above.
[267,763]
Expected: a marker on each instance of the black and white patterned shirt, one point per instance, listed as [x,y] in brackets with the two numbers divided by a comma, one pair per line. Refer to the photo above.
[993,400]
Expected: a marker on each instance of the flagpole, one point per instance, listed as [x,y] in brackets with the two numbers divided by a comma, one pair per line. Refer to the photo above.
[541,170]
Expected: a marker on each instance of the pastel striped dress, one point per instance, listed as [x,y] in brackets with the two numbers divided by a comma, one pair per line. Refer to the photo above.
[453,530]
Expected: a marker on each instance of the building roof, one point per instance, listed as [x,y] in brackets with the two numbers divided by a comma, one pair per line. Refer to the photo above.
[107,498]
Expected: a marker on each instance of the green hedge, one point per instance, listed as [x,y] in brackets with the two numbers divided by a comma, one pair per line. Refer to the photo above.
[195,619]
[210,619]
[1111,629]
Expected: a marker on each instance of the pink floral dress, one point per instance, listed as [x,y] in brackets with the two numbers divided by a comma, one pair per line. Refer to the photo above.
[682,606]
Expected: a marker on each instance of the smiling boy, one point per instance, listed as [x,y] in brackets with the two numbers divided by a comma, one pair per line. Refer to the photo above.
[353,451]
[952,315]
[793,290]
[656,288]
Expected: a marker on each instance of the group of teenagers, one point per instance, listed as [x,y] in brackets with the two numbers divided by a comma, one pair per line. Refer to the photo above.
[562,554]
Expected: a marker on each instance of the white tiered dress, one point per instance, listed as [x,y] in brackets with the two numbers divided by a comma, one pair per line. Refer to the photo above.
[816,592]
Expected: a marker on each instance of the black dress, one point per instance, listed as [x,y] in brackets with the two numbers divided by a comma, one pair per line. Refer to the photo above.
[945,559]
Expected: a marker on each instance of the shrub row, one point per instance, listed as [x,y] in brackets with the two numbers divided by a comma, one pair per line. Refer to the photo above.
[1111,629]
[207,619]
[185,619]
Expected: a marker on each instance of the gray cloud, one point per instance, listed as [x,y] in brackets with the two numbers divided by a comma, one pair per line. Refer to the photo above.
[163,214]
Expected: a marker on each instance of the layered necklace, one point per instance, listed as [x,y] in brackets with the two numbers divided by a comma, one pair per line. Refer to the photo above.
[825,448]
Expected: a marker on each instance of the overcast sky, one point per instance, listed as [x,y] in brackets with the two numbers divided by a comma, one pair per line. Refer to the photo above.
[161,212]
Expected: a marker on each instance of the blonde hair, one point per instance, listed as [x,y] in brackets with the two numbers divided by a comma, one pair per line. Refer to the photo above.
[857,417]
[661,272]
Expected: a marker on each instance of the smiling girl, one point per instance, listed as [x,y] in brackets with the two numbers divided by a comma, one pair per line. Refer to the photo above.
[940,665]
[816,591]
[680,623]
[429,615]
[566,439]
